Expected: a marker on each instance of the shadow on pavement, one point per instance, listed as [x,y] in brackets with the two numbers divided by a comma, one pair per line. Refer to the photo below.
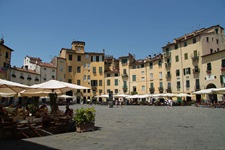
[12,144]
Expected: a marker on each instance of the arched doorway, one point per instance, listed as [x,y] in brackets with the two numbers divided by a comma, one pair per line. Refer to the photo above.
[212,97]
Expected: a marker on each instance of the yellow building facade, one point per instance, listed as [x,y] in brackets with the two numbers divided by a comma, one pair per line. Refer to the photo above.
[5,60]
[84,68]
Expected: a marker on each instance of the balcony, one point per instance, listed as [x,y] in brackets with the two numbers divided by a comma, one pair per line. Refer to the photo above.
[167,64]
[167,54]
[195,58]
[168,75]
[152,90]
[94,87]
[169,90]
[124,88]
[160,89]
[208,71]
[196,70]
[223,69]
[124,75]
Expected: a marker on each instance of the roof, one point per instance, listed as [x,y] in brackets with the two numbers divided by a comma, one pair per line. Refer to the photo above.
[78,42]
[45,64]
[6,47]
[24,70]
[191,35]
[34,59]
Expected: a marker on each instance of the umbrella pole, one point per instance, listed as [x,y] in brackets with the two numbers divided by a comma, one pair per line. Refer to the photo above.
[53,97]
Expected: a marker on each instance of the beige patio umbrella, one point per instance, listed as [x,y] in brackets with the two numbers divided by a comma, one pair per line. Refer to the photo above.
[11,89]
[51,86]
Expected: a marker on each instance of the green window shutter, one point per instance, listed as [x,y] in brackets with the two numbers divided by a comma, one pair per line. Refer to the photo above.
[221,79]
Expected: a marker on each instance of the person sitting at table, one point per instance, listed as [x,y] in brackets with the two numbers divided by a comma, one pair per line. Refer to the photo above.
[57,112]
[38,113]
[3,112]
[20,111]
[68,111]
[27,111]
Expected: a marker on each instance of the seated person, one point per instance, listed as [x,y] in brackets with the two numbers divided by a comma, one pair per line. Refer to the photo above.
[20,111]
[3,113]
[68,111]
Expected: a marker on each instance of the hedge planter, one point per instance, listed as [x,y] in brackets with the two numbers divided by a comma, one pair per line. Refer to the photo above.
[85,127]
[85,119]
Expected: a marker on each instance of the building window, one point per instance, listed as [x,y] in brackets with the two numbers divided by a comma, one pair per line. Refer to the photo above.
[207,39]
[151,65]
[100,70]
[86,56]
[89,77]
[84,65]
[151,85]
[143,88]
[177,73]
[116,91]
[6,55]
[217,41]
[94,69]
[176,46]
[211,50]
[89,65]
[187,71]
[209,67]
[142,78]
[70,57]
[78,69]
[108,75]
[185,43]
[160,63]
[133,77]
[100,82]
[116,82]
[142,72]
[194,40]
[186,56]
[187,83]
[97,58]
[108,82]
[124,71]
[94,82]
[197,84]
[178,84]
[124,61]
[133,67]
[223,63]
[78,82]
[151,76]
[177,58]
[78,58]
[160,75]
[116,74]
[70,69]
[69,80]
[85,77]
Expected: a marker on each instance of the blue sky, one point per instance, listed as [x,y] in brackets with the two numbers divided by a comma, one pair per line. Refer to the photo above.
[141,27]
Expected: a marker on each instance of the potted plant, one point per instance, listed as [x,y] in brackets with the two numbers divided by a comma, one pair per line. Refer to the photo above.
[85,119]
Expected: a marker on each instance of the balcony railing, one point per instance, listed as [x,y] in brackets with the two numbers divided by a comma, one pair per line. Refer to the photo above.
[169,90]
[208,71]
[160,89]
[94,87]
[195,58]
[124,75]
[196,70]
[167,54]
[167,64]
[152,90]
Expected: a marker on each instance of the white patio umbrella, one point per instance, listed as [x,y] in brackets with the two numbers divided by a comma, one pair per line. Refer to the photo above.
[183,95]
[205,91]
[51,86]
[10,89]
[219,91]
[120,95]
[103,96]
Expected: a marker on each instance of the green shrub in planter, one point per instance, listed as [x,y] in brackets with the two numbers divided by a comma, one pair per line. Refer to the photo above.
[84,116]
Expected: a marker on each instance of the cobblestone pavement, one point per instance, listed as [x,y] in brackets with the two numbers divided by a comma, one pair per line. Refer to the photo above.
[139,128]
